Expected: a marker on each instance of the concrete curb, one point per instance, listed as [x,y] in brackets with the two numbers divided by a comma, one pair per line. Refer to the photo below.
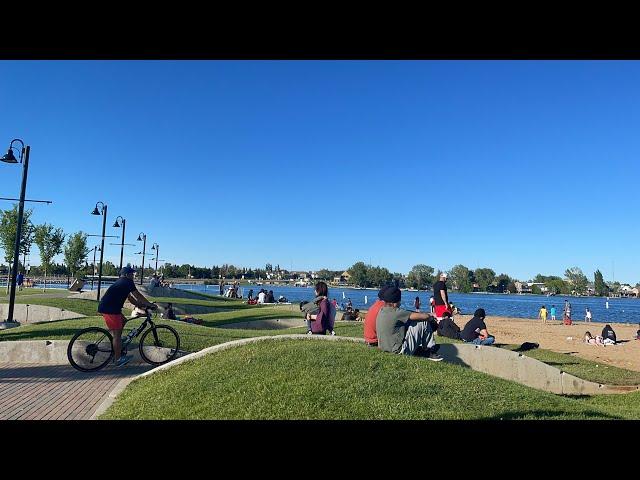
[27,313]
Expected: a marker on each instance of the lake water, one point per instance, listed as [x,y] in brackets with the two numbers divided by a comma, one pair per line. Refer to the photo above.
[621,310]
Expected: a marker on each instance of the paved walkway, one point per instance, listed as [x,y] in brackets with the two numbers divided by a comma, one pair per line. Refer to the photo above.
[56,392]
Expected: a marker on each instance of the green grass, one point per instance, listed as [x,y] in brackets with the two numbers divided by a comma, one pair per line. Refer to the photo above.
[35,291]
[214,302]
[248,315]
[299,379]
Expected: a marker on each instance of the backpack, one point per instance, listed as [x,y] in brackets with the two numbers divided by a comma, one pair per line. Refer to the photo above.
[607,332]
[448,328]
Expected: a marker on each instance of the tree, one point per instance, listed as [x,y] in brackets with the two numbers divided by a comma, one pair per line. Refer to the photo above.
[358,272]
[49,242]
[512,287]
[484,277]
[378,276]
[599,286]
[461,277]
[577,280]
[8,229]
[420,276]
[75,252]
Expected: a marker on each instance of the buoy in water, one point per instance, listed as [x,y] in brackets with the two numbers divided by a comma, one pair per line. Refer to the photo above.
[365,299]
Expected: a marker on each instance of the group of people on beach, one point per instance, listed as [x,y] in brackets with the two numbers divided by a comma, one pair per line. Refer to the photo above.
[566,314]
[264,296]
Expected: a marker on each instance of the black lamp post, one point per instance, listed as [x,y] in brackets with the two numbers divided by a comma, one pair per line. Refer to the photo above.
[102,211]
[143,238]
[156,247]
[94,265]
[124,226]
[24,159]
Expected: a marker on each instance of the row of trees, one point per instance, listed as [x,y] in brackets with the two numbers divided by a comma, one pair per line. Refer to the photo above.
[48,239]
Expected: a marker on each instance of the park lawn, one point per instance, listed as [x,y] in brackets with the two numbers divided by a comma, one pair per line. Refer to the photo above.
[247,315]
[230,303]
[34,291]
[300,379]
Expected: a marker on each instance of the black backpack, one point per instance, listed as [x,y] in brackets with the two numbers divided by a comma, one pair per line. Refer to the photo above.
[607,332]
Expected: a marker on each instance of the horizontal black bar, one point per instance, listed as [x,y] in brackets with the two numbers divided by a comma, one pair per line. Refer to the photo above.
[17,200]
[106,236]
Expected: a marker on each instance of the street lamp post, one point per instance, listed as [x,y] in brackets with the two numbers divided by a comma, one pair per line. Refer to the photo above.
[156,247]
[142,237]
[94,265]
[124,226]
[102,212]
[24,159]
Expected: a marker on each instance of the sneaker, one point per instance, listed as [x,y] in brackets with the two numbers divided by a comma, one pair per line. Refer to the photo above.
[123,360]
[434,357]
[309,332]
[333,332]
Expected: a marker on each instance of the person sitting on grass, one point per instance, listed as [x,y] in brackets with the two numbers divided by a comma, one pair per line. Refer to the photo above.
[402,331]
[323,321]
[475,331]
[591,340]
[170,314]
[447,327]
[110,307]
[370,335]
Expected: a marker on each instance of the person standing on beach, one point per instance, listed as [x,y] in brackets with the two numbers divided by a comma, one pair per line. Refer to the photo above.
[416,304]
[221,287]
[587,315]
[543,314]
[553,312]
[441,298]
[432,304]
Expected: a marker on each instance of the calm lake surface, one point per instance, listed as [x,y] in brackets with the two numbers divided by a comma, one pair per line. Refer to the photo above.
[621,310]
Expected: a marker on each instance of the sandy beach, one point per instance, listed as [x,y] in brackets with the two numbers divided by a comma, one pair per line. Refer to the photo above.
[566,338]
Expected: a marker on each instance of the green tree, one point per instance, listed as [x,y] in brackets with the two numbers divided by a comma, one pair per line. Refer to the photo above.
[511,287]
[49,241]
[577,280]
[378,276]
[599,286]
[75,252]
[109,269]
[8,229]
[461,278]
[484,277]
[420,276]
[502,282]
[558,286]
[358,272]
[536,289]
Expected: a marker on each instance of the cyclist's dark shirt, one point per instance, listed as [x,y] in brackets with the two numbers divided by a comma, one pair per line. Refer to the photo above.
[437,287]
[116,295]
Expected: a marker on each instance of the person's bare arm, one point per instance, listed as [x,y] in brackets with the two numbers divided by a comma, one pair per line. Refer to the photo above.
[420,317]
[138,300]
[444,298]
[484,334]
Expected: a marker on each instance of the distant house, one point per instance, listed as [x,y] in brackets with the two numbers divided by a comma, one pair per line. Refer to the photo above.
[343,279]
[627,290]
[522,287]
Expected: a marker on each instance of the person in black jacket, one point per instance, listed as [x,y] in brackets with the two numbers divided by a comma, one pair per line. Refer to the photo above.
[447,327]
[608,335]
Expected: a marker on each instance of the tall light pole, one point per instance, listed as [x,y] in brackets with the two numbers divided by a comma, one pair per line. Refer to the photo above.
[156,247]
[24,159]
[143,238]
[94,265]
[103,212]
[124,226]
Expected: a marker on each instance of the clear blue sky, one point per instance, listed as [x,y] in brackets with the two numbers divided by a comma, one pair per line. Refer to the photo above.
[522,166]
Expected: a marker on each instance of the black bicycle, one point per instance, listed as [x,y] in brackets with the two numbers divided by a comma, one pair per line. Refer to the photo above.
[92,348]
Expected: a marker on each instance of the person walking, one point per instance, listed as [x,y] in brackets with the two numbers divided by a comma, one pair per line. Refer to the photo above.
[553,312]
[543,314]
[587,315]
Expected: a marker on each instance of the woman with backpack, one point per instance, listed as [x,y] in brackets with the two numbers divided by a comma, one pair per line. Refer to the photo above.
[323,321]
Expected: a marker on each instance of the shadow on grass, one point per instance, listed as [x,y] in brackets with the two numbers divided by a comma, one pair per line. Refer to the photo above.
[550,414]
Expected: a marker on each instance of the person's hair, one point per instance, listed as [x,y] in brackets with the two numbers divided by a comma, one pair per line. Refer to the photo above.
[170,304]
[588,334]
[446,313]
[322,289]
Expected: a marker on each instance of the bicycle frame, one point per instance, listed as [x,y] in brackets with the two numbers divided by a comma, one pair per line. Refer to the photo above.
[137,331]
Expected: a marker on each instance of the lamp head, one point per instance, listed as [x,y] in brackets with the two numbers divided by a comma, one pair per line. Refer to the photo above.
[117,225]
[95,211]
[9,157]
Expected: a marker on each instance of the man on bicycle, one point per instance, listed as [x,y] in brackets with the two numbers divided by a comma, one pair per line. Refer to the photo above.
[111,309]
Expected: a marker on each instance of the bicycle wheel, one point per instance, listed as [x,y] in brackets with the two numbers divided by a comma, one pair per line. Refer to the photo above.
[159,344]
[90,349]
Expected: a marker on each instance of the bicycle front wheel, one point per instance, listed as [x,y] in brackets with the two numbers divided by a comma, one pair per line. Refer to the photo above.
[90,349]
[159,344]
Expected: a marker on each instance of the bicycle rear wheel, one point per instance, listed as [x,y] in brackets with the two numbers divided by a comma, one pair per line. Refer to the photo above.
[90,349]
[159,344]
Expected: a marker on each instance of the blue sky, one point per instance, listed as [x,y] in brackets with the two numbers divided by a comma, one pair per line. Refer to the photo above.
[522,166]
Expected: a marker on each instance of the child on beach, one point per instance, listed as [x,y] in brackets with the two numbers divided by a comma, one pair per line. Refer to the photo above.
[543,314]
[553,312]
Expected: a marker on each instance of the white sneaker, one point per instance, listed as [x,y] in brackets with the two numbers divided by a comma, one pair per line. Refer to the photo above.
[333,332]
[309,332]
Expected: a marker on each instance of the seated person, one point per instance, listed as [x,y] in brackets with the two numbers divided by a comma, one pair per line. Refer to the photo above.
[608,335]
[352,315]
[637,337]
[597,340]
[402,331]
[475,331]
[170,314]
[270,298]
[447,327]
[282,299]
[370,335]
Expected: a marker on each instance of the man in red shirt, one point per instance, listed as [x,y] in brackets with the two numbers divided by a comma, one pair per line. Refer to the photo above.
[370,335]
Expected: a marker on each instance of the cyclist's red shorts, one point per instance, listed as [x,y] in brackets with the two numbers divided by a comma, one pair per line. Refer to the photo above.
[114,321]
[440,309]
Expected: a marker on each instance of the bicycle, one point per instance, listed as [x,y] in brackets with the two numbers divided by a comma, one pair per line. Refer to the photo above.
[92,348]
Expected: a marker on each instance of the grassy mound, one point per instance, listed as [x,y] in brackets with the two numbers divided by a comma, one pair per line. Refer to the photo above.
[300,379]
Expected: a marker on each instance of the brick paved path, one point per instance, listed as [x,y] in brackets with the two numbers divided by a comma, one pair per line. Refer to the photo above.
[56,392]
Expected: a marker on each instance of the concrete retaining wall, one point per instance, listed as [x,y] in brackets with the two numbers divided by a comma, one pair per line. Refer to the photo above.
[277,324]
[25,313]
[519,368]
